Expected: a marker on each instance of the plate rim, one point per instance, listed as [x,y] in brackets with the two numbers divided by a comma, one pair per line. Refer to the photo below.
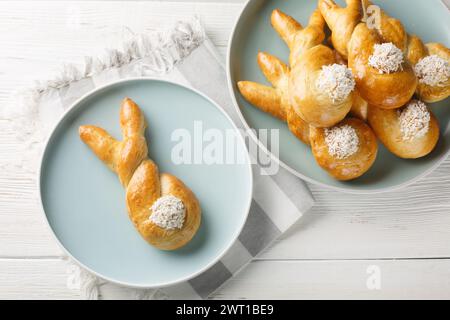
[235,236]
[347,190]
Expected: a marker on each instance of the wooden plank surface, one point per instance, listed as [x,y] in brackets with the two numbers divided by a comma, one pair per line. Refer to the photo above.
[38,37]
[400,279]
[365,279]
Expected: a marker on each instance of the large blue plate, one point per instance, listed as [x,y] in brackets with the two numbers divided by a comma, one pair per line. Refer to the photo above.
[428,19]
[85,204]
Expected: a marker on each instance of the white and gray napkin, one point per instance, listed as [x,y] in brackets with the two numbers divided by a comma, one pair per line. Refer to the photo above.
[183,55]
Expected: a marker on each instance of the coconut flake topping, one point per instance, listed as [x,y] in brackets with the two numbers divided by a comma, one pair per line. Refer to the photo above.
[386,58]
[168,212]
[433,71]
[337,81]
[342,141]
[414,120]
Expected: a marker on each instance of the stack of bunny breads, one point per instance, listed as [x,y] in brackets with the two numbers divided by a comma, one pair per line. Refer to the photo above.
[339,95]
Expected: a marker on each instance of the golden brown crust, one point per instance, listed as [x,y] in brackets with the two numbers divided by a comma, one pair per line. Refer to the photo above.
[339,58]
[140,176]
[102,144]
[417,51]
[313,105]
[286,26]
[355,165]
[307,58]
[342,22]
[294,97]
[144,189]
[355,41]
[386,125]
[297,38]
[388,91]
[359,107]
[263,97]
[298,126]
[275,100]
[390,29]
[176,238]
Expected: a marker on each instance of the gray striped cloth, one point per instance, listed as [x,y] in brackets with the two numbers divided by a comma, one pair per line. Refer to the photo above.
[183,55]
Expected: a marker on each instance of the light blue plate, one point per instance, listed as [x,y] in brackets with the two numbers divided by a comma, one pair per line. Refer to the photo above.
[428,19]
[85,204]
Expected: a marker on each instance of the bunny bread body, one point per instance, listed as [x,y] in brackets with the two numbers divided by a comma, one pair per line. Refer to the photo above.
[383,75]
[162,208]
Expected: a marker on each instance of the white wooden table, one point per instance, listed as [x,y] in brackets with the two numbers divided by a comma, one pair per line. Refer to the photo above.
[405,235]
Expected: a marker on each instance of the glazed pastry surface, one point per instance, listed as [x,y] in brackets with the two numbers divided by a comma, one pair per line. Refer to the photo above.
[386,125]
[385,90]
[308,57]
[360,107]
[275,100]
[141,178]
[391,30]
[355,165]
[417,51]
[388,91]
[389,67]
[342,22]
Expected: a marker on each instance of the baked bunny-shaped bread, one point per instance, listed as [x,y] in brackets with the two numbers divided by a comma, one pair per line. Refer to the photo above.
[360,106]
[320,89]
[347,150]
[391,30]
[410,132]
[384,77]
[431,61]
[275,100]
[345,20]
[342,22]
[164,211]
[432,66]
